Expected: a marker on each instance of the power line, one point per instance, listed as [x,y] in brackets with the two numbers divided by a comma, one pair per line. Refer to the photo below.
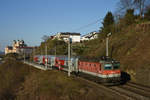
[85,26]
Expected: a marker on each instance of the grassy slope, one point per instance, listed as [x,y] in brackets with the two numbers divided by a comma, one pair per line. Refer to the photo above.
[19,81]
[12,74]
[131,47]
[55,85]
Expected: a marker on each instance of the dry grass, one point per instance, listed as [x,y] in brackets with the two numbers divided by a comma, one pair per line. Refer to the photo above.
[19,81]
[55,85]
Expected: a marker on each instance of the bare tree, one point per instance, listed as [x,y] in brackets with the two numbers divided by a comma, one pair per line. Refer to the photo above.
[140,5]
[137,5]
[124,5]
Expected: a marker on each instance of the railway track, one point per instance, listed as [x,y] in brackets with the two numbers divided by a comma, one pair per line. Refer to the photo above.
[138,91]
[139,86]
[119,95]
[134,91]
[129,91]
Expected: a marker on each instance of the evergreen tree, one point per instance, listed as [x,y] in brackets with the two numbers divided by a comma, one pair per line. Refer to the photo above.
[129,17]
[107,23]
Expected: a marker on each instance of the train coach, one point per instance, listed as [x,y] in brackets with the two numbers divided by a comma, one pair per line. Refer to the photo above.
[106,70]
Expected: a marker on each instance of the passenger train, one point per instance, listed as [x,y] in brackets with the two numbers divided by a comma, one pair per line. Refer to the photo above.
[106,70]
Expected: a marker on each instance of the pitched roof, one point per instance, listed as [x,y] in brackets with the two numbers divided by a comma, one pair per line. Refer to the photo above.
[68,33]
[9,47]
[25,47]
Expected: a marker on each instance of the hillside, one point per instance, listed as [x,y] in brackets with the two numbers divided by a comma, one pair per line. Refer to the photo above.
[12,75]
[56,85]
[19,81]
[131,47]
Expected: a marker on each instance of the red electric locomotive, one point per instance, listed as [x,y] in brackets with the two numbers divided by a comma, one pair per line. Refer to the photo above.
[105,71]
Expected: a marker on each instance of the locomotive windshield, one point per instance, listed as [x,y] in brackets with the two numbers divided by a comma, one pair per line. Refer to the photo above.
[116,65]
[108,66]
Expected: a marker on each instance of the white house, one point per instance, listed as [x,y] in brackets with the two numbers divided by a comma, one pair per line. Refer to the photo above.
[75,37]
[90,36]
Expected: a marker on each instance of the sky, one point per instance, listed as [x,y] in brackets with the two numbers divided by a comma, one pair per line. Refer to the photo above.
[31,19]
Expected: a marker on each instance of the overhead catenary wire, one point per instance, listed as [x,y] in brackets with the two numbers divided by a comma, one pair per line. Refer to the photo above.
[87,25]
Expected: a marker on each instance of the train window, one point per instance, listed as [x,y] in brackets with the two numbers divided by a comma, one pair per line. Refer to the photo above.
[89,64]
[108,66]
[116,65]
[94,65]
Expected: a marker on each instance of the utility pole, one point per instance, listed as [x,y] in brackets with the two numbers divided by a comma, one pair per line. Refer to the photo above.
[55,50]
[41,50]
[46,56]
[24,55]
[33,53]
[107,44]
[69,54]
